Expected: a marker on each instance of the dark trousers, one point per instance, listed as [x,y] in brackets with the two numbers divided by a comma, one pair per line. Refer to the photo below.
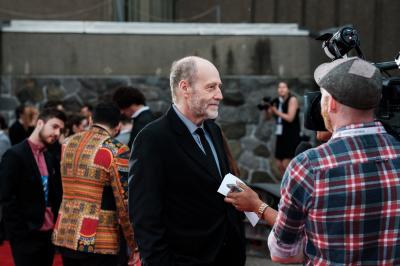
[231,253]
[2,233]
[34,249]
[92,260]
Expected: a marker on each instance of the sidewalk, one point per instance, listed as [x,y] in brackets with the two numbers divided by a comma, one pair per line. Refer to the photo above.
[259,261]
[6,258]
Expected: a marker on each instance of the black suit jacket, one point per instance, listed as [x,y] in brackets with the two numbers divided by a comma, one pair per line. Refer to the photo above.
[21,190]
[139,123]
[178,216]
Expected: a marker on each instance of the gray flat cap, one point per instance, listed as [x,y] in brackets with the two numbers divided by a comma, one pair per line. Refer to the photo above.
[351,81]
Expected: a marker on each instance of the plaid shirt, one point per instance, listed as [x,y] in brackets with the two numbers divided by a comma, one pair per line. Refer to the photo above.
[344,197]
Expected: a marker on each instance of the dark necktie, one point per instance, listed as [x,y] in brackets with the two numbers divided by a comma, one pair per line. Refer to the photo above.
[209,155]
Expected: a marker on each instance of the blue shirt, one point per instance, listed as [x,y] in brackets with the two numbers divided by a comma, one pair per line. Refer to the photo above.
[192,128]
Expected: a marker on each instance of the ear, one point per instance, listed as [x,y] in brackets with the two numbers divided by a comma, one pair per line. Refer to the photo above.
[90,121]
[40,123]
[74,127]
[332,105]
[184,87]
[134,107]
[117,129]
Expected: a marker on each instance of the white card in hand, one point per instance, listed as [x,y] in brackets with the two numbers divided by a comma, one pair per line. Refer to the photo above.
[224,190]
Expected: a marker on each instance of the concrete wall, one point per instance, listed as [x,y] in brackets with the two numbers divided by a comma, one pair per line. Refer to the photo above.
[117,54]
[145,10]
[376,20]
[58,10]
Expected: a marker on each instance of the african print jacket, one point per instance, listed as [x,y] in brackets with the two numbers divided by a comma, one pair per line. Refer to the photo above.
[94,171]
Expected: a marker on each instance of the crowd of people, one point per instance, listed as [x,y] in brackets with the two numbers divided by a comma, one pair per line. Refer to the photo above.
[146,194]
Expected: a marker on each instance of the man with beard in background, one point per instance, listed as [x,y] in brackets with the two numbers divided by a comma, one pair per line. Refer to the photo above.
[30,192]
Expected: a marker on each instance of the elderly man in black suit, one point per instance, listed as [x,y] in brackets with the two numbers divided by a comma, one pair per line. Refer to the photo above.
[177,165]
[132,104]
[31,192]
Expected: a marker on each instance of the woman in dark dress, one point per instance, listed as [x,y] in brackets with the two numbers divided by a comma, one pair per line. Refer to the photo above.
[286,112]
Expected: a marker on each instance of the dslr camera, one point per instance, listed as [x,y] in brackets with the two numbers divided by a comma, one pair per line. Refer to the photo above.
[265,104]
[337,46]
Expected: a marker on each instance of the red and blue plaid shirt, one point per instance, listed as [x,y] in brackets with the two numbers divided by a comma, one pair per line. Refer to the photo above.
[344,197]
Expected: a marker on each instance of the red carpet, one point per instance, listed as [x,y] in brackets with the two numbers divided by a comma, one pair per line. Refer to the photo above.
[7,260]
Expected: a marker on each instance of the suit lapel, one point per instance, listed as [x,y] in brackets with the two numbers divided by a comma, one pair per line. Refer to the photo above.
[49,164]
[188,144]
[30,158]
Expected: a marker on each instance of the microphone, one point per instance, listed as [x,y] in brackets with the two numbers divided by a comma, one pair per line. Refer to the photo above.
[303,146]
[387,65]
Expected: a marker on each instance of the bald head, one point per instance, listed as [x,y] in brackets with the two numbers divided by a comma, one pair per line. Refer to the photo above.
[185,69]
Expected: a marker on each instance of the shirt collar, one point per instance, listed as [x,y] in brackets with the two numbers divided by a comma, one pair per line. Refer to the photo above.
[36,147]
[189,124]
[360,125]
[139,111]
[100,130]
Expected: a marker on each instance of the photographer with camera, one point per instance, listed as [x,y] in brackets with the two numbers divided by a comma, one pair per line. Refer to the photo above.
[339,200]
[285,109]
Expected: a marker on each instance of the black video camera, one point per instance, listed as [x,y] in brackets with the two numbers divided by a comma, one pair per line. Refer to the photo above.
[336,46]
[265,104]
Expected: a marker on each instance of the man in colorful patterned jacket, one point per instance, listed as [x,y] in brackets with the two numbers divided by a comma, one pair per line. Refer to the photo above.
[93,212]
[340,200]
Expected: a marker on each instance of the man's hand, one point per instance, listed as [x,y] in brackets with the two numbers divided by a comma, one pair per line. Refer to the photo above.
[134,259]
[274,110]
[247,200]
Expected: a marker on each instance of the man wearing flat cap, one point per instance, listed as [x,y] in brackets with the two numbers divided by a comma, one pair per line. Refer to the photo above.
[340,201]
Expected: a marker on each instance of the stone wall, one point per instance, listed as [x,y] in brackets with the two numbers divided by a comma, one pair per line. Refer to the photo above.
[250,137]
